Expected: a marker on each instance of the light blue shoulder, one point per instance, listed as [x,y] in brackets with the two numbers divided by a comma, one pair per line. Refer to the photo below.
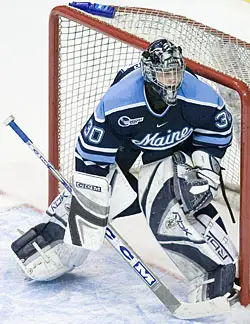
[196,91]
[126,94]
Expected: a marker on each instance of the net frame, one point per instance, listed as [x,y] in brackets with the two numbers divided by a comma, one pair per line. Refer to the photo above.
[240,86]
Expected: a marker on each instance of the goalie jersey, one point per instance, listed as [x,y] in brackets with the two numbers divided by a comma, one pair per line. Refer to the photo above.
[124,118]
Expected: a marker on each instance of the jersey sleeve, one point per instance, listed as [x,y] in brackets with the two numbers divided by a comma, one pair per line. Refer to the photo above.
[216,133]
[97,144]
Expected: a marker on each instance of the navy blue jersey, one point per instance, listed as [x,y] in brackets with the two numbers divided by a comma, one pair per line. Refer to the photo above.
[124,118]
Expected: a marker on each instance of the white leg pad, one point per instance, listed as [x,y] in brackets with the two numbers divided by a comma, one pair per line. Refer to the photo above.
[197,245]
[51,262]
[120,185]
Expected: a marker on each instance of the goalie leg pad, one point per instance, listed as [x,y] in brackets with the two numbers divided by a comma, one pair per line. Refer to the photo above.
[155,182]
[41,253]
[206,260]
[43,256]
[95,200]
[222,280]
[209,268]
[89,211]
[127,184]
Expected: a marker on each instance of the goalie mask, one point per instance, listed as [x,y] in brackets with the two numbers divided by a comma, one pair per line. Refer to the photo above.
[163,68]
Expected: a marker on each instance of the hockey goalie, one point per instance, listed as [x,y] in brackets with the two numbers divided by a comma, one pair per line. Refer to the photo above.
[181,128]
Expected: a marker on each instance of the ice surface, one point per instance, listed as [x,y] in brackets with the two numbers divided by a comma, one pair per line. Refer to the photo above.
[103,290]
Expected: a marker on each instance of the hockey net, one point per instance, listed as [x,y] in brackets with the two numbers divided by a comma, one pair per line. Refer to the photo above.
[85,53]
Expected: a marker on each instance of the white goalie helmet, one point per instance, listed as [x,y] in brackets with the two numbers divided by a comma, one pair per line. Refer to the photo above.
[163,67]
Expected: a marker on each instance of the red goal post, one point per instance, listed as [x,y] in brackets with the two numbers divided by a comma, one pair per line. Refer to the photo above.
[85,53]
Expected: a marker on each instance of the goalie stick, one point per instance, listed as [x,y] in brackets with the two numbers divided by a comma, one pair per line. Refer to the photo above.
[177,307]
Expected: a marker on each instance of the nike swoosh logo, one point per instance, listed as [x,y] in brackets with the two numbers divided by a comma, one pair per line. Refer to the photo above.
[160,125]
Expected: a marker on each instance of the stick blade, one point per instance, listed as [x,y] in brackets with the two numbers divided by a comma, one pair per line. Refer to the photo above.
[213,307]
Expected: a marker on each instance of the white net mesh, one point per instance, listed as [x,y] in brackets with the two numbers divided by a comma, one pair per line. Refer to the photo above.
[88,64]
[89,61]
